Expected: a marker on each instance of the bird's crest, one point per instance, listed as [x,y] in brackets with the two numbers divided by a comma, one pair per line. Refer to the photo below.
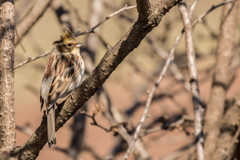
[66,37]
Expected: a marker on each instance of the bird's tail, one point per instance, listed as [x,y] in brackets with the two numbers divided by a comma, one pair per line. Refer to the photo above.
[51,125]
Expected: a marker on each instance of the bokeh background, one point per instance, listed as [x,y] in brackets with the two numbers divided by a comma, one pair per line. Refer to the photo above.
[128,85]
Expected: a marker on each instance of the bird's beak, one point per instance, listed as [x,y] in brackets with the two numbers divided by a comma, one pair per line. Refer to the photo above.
[79,45]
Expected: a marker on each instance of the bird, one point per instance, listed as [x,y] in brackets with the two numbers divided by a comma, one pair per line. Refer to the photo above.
[63,74]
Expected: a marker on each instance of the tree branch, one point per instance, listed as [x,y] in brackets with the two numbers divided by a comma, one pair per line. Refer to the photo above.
[147,106]
[7,119]
[144,9]
[221,78]
[197,104]
[92,30]
[108,64]
[30,59]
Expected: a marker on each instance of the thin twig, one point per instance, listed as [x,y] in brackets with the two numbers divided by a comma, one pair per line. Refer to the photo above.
[95,123]
[170,58]
[30,59]
[149,99]
[196,21]
[92,30]
[129,41]
[165,125]
[192,7]
[115,117]
[197,104]
[173,66]
[201,17]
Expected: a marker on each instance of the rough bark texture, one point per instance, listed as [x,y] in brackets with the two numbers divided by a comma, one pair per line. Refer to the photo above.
[222,76]
[7,121]
[108,64]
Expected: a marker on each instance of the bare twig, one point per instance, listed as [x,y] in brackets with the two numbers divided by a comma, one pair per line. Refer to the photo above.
[31,59]
[147,107]
[149,100]
[201,17]
[94,121]
[192,7]
[115,118]
[114,56]
[166,125]
[173,67]
[171,55]
[197,104]
[196,21]
[92,30]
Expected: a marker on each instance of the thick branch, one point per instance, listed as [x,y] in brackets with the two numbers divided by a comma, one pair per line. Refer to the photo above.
[144,9]
[108,64]
[7,120]
[222,76]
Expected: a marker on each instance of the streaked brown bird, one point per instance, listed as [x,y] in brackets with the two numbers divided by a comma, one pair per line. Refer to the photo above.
[63,74]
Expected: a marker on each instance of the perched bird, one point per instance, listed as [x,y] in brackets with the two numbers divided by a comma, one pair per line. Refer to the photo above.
[63,74]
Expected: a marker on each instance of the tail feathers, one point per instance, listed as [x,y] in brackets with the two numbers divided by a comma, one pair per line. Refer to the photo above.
[51,126]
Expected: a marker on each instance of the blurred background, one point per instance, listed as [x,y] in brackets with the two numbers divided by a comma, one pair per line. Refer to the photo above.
[168,130]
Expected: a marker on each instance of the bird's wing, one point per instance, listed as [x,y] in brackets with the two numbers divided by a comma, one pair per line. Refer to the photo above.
[47,80]
[57,79]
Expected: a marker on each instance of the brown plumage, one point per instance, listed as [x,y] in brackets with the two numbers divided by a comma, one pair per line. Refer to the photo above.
[63,74]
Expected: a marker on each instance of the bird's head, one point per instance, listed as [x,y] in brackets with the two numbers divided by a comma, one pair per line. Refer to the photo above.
[67,42]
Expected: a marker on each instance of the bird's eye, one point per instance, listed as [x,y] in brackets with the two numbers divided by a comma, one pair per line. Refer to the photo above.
[69,44]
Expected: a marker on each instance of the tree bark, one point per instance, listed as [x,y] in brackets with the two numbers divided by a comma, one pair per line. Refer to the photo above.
[88,88]
[192,68]
[7,121]
[222,77]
